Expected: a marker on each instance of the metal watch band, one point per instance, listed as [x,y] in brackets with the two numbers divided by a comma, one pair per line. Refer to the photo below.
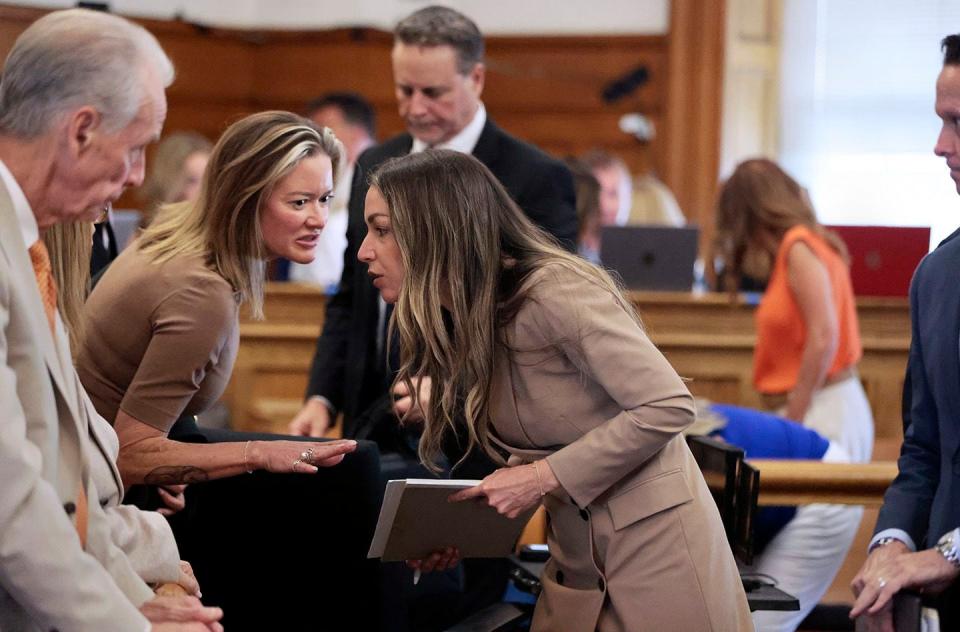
[884,541]
[947,546]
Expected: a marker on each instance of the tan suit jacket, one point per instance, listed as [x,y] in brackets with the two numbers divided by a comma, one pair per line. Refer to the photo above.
[635,538]
[46,580]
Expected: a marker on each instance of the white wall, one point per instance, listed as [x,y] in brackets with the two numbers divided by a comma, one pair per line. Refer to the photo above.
[492,16]
[857,120]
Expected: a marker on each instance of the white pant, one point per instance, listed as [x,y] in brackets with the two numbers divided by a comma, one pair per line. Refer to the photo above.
[806,555]
[841,413]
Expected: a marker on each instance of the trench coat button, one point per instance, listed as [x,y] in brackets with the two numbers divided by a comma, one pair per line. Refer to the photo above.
[601,585]
[70,508]
[560,577]
[584,514]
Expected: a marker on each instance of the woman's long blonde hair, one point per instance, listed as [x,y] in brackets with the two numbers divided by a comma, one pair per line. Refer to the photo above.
[223,224]
[464,242]
[757,205]
[70,246]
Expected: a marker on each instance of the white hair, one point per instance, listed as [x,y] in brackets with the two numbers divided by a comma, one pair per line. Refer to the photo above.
[68,59]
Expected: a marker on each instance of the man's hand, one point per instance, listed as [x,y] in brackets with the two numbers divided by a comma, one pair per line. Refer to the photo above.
[891,568]
[406,403]
[181,610]
[867,583]
[313,420]
[188,580]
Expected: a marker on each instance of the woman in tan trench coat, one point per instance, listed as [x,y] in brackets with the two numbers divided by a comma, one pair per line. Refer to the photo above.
[539,354]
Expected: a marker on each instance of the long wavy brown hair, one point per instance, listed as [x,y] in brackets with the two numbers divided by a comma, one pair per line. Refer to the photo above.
[468,251]
[757,205]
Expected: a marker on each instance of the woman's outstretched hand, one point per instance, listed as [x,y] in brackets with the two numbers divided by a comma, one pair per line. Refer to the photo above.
[301,457]
[513,490]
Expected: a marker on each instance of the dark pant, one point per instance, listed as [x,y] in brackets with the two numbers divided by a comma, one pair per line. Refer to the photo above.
[284,551]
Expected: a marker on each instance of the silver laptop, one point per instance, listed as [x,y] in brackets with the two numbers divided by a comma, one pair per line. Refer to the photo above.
[651,257]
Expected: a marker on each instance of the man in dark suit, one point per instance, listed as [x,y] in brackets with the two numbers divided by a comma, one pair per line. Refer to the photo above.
[439,75]
[916,544]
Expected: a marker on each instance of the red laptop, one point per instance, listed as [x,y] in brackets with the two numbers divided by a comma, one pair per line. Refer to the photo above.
[883,258]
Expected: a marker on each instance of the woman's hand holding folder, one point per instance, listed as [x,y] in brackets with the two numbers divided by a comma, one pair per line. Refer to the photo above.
[513,490]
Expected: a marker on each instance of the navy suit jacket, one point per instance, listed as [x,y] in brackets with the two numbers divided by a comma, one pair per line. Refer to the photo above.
[924,499]
[346,369]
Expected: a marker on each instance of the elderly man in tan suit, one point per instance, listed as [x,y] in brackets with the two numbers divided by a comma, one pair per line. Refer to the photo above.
[82,94]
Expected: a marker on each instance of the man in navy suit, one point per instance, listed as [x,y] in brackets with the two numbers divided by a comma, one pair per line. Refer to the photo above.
[916,544]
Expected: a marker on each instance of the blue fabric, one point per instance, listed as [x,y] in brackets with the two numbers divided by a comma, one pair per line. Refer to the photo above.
[765,436]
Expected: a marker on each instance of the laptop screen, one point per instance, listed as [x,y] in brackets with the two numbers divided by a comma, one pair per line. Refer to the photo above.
[883,258]
[651,257]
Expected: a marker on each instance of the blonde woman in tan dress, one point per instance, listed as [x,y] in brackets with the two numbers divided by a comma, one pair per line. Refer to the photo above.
[542,358]
[160,337]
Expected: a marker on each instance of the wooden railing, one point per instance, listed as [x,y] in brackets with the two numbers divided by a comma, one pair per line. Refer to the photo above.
[789,482]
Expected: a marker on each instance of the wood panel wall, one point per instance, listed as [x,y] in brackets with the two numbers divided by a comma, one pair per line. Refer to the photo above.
[543,89]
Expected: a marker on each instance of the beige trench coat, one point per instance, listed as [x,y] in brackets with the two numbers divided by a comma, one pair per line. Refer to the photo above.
[635,537]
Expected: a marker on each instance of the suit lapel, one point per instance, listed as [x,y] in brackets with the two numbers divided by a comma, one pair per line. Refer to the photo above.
[487,149]
[11,243]
[97,430]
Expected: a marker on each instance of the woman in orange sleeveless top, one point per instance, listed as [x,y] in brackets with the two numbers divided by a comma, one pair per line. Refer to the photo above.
[808,338]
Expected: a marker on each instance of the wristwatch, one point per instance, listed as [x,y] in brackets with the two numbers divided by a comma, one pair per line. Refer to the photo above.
[883,542]
[947,546]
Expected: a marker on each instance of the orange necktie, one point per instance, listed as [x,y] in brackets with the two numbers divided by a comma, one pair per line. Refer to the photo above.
[40,259]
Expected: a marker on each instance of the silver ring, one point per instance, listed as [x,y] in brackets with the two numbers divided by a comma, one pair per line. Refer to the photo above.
[295,464]
[306,455]
[882,582]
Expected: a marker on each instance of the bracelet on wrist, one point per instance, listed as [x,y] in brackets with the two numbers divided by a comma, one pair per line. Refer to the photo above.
[539,482]
[246,463]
